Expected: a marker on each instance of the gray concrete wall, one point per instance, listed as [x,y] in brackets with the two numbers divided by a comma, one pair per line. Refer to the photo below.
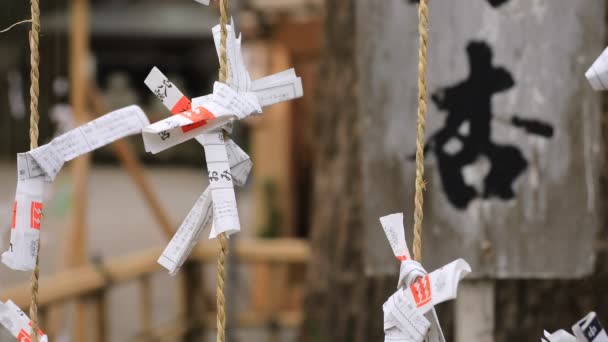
[529,59]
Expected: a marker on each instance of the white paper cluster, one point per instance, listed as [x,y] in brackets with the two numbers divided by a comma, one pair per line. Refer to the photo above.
[41,165]
[206,118]
[409,314]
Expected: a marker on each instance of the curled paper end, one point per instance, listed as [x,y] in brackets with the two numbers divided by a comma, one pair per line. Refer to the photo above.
[589,329]
[558,336]
[446,279]
[597,74]
[15,263]
[395,233]
[215,232]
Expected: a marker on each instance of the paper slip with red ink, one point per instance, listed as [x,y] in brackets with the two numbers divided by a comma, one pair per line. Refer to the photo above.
[225,105]
[227,165]
[409,314]
[17,323]
[41,165]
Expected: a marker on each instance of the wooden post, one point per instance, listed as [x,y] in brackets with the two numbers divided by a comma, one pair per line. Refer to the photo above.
[145,307]
[76,241]
[272,153]
[194,294]
[101,315]
[475,311]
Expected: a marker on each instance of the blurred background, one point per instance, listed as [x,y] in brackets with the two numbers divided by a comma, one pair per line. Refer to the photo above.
[515,167]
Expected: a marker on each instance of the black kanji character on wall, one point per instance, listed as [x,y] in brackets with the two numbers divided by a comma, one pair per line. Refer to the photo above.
[493,3]
[468,127]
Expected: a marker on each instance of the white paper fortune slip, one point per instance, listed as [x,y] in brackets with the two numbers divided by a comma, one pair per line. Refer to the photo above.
[237,99]
[41,165]
[588,329]
[597,74]
[17,323]
[409,314]
[208,117]
[227,164]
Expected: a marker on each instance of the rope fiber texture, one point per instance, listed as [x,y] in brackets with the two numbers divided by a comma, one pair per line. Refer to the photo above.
[34,119]
[423,31]
[221,260]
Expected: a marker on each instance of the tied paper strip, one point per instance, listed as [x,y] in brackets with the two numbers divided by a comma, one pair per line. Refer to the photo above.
[223,106]
[416,320]
[227,163]
[41,165]
[237,99]
[225,213]
[217,155]
[17,323]
[597,74]
[204,120]
[588,329]
[201,215]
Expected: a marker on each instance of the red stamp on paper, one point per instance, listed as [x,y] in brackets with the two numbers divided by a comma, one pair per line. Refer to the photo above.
[421,290]
[24,336]
[14,224]
[182,105]
[199,116]
[36,215]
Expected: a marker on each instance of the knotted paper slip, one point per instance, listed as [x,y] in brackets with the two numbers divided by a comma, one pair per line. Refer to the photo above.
[588,329]
[17,323]
[201,215]
[597,74]
[41,165]
[206,118]
[409,314]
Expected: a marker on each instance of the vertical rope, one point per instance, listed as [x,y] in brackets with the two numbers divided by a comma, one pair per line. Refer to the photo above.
[34,118]
[423,31]
[221,260]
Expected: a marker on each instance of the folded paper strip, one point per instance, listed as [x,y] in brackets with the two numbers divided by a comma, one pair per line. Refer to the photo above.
[41,165]
[409,314]
[588,329]
[206,118]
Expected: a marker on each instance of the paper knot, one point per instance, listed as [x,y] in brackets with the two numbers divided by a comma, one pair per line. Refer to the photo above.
[410,270]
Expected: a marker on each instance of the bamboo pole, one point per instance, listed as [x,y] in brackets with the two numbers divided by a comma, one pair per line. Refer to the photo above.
[76,242]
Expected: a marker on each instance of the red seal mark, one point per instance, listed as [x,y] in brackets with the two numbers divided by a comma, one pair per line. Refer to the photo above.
[182,105]
[14,224]
[421,290]
[36,215]
[199,116]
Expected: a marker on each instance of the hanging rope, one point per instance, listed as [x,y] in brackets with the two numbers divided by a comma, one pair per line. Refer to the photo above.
[221,260]
[423,31]
[34,118]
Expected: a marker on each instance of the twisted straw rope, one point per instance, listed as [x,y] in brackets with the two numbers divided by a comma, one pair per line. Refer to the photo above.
[423,31]
[34,118]
[221,260]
